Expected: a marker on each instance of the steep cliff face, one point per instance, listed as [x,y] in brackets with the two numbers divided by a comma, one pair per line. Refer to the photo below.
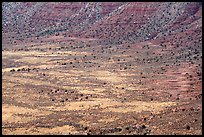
[111,23]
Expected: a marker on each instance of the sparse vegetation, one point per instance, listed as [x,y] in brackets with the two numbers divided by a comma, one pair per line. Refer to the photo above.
[101,68]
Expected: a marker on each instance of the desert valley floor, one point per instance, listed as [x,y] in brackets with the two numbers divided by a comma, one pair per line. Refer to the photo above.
[86,89]
[100,68]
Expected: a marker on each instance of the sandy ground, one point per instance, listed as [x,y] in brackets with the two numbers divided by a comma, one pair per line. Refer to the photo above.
[98,93]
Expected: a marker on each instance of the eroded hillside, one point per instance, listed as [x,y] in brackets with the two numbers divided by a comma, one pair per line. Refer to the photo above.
[102,68]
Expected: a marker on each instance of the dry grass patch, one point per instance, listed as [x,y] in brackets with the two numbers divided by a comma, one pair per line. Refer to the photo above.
[140,106]
[57,130]
[10,54]
[107,76]
[33,60]
[10,114]
[108,120]
[64,130]
[85,105]
[23,81]
[110,105]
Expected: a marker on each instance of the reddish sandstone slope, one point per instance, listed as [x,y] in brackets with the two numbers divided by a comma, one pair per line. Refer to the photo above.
[39,19]
[143,21]
[110,22]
